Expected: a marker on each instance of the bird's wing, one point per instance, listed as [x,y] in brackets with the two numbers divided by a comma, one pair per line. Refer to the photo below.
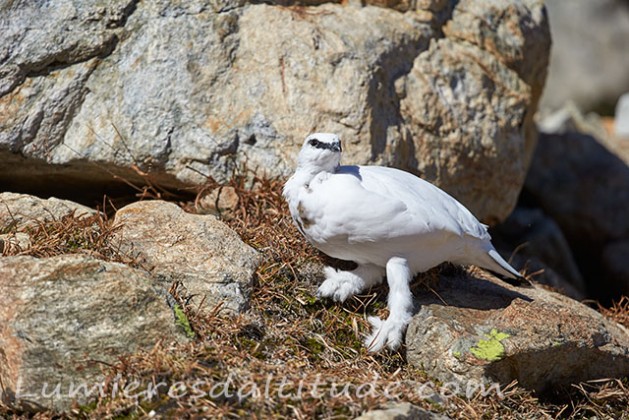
[340,208]
[424,200]
[367,204]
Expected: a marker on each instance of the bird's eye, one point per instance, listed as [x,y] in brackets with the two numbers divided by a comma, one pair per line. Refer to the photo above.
[314,142]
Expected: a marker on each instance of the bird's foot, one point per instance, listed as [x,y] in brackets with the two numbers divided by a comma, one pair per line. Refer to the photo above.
[339,285]
[387,333]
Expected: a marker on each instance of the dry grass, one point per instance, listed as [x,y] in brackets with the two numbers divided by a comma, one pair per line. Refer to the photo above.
[619,311]
[290,341]
[70,234]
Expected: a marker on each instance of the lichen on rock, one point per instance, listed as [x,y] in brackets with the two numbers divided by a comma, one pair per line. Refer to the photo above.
[490,348]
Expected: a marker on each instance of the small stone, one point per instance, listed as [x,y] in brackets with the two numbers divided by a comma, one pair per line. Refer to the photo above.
[200,251]
[401,411]
[431,5]
[219,200]
[27,210]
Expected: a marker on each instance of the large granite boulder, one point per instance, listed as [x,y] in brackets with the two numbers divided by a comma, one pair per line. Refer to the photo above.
[171,92]
[469,102]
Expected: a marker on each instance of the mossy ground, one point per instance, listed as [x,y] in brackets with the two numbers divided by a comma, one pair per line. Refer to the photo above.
[290,355]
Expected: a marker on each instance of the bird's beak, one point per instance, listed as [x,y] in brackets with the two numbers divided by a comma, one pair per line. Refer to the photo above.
[337,147]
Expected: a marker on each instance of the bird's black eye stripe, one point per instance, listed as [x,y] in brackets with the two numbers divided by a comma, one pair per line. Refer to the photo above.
[323,145]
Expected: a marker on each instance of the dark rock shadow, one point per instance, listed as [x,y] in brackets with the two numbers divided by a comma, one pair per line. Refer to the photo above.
[466,290]
[584,187]
[563,363]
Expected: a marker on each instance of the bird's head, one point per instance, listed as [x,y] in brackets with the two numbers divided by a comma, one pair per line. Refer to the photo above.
[320,152]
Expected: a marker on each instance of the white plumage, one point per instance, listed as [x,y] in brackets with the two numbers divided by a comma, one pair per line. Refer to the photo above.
[388,222]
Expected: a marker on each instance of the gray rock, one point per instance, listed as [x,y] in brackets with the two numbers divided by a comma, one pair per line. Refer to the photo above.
[200,251]
[580,52]
[401,411]
[44,67]
[26,210]
[468,102]
[63,318]
[478,329]
[197,89]
[73,32]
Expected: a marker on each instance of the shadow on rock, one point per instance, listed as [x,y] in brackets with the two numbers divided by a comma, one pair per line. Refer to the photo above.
[462,290]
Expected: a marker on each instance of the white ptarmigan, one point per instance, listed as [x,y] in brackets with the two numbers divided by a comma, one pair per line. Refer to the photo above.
[388,222]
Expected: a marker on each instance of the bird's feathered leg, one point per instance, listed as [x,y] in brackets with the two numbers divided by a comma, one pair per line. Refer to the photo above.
[339,285]
[389,332]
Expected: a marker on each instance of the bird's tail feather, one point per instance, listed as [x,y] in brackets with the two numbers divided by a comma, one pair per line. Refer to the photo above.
[507,270]
[491,260]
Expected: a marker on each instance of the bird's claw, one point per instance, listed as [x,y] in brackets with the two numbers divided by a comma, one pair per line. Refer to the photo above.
[385,333]
[339,285]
